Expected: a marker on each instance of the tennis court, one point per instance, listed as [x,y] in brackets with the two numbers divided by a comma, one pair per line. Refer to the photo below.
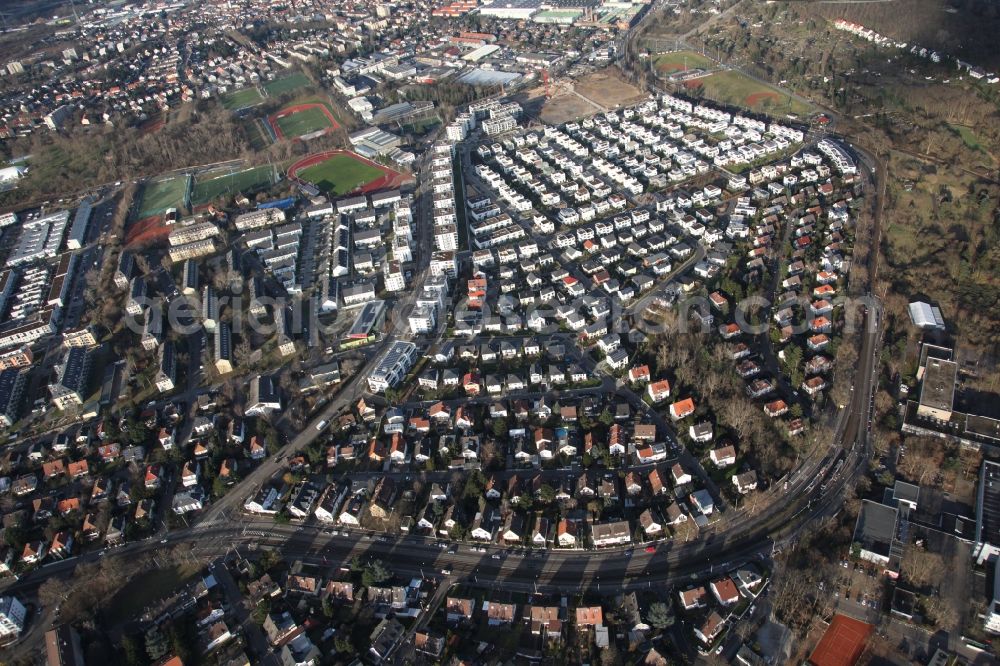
[843,643]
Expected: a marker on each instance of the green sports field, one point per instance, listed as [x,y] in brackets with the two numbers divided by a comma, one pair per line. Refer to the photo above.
[159,195]
[737,89]
[303,122]
[969,137]
[340,174]
[242,98]
[678,61]
[259,137]
[212,185]
[286,84]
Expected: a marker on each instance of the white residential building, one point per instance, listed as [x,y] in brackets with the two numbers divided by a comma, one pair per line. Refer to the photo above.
[392,366]
[12,614]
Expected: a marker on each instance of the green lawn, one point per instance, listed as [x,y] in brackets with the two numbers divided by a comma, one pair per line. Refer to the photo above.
[737,89]
[286,84]
[212,185]
[259,137]
[146,588]
[340,174]
[242,98]
[159,195]
[968,136]
[678,61]
[421,127]
[303,122]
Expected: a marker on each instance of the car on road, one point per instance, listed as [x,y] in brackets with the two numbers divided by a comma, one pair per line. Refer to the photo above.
[496,556]
[650,549]
[322,425]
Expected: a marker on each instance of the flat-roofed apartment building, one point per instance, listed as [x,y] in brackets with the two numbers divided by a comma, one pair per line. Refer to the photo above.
[259,219]
[71,378]
[11,393]
[167,367]
[392,366]
[124,270]
[933,413]
[152,329]
[192,250]
[988,512]
[223,348]
[79,337]
[937,391]
[189,233]
[16,358]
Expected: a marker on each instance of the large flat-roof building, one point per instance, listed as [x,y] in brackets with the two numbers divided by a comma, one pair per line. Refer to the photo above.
[40,238]
[516,10]
[81,222]
[991,619]
[934,412]
[988,512]
[937,391]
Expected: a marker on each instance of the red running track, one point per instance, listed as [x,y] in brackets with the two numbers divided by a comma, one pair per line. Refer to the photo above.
[389,179]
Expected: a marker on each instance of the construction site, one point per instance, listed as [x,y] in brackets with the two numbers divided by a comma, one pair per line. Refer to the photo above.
[558,100]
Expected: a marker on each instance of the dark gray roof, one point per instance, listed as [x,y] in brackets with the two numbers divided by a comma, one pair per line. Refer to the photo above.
[876,527]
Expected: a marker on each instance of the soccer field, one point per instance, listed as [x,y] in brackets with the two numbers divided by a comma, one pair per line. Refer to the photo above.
[213,185]
[286,84]
[679,61]
[302,122]
[159,195]
[732,87]
[340,174]
[239,99]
